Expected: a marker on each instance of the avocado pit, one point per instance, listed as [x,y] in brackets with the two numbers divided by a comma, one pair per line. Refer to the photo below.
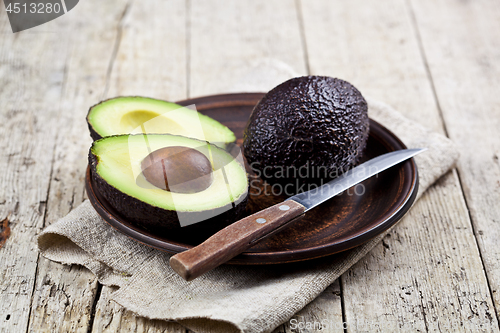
[178,169]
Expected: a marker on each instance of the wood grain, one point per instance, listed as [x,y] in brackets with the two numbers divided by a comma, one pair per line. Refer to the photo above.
[63,296]
[413,281]
[244,35]
[112,317]
[150,59]
[402,295]
[376,48]
[373,46]
[234,239]
[151,54]
[461,43]
[324,314]
[31,83]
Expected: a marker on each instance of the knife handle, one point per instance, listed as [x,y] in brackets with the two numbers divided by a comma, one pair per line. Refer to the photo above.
[234,239]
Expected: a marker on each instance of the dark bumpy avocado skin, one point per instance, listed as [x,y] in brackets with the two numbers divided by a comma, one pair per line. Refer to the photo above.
[93,134]
[163,221]
[307,122]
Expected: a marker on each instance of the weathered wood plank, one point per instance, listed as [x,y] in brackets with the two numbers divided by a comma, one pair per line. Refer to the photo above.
[152,55]
[31,79]
[62,299]
[324,314]
[367,58]
[64,295]
[461,41]
[438,286]
[239,45]
[111,317]
[375,47]
[150,61]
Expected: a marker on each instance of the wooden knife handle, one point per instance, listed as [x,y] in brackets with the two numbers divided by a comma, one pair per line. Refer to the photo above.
[234,239]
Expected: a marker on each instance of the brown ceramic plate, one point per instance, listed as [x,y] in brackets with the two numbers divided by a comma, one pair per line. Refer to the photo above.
[341,223]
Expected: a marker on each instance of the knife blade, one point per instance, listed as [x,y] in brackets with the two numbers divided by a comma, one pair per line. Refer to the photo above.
[243,234]
[354,176]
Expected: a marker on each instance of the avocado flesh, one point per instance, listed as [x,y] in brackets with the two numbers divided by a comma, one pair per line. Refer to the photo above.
[132,115]
[116,168]
[306,130]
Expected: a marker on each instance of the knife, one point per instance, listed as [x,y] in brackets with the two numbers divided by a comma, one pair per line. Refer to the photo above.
[243,234]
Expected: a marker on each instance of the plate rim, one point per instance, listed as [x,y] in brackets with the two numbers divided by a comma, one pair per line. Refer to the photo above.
[259,258]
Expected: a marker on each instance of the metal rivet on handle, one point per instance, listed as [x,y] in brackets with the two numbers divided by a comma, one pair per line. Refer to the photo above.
[260,220]
[284,207]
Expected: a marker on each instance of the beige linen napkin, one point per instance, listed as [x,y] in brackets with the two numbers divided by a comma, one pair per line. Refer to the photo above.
[229,298]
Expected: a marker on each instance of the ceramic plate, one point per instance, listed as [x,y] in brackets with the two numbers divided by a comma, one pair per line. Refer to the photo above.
[341,223]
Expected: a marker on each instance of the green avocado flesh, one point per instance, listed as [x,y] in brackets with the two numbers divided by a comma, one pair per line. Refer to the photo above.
[116,168]
[133,115]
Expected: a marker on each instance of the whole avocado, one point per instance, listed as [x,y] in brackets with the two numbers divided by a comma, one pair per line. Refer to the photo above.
[306,130]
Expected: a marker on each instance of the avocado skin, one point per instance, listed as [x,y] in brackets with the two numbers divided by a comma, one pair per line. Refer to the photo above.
[309,122]
[161,221]
[93,134]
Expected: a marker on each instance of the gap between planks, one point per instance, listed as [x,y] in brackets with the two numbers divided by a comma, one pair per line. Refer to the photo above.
[440,110]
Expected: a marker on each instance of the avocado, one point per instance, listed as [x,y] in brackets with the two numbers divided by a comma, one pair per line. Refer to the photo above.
[117,167]
[132,115]
[306,130]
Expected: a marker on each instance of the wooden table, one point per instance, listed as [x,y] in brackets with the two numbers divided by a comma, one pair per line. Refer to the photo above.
[437,61]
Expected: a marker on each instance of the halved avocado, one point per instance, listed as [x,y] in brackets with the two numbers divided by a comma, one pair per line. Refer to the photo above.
[116,171]
[132,115]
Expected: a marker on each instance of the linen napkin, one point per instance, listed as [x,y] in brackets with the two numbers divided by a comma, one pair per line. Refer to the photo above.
[229,298]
